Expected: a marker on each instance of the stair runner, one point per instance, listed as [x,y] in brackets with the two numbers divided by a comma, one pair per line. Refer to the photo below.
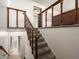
[44,52]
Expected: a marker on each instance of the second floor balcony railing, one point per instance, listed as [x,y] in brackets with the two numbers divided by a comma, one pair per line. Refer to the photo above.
[62,12]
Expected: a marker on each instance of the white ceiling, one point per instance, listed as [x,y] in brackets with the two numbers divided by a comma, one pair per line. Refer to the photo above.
[68,4]
[45,2]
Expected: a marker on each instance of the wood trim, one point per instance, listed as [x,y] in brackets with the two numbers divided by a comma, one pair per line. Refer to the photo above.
[24,19]
[16,18]
[54,4]
[61,5]
[63,26]
[36,47]
[52,17]
[57,2]
[32,41]
[7,18]
[68,19]
[16,28]
[66,12]
[31,26]
[16,9]
[46,19]
[76,7]
[1,47]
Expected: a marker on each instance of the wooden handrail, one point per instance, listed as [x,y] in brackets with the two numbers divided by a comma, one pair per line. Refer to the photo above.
[57,2]
[1,47]
[50,7]
[61,20]
[31,25]
[36,37]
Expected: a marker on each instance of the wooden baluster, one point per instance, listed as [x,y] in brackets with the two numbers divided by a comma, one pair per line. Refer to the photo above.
[36,47]
[30,36]
[32,41]
[76,7]
[25,19]
[61,12]
[46,19]
[52,18]
[7,17]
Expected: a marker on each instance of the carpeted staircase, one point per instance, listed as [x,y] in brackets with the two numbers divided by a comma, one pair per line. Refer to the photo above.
[43,50]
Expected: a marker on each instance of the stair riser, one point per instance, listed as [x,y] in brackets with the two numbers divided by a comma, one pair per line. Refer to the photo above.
[43,53]
[40,46]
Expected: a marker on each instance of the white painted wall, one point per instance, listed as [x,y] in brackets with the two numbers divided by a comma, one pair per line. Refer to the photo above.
[28,51]
[3,21]
[4,43]
[4,39]
[25,50]
[25,47]
[26,5]
[63,41]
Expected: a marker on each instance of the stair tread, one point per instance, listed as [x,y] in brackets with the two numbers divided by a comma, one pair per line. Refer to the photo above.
[41,37]
[30,34]
[39,40]
[48,56]
[43,51]
[40,44]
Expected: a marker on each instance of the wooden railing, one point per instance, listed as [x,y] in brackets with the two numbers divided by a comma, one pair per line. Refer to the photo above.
[34,35]
[61,3]
[29,28]
[1,48]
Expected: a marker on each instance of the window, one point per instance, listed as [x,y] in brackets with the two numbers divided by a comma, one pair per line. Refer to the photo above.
[15,18]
